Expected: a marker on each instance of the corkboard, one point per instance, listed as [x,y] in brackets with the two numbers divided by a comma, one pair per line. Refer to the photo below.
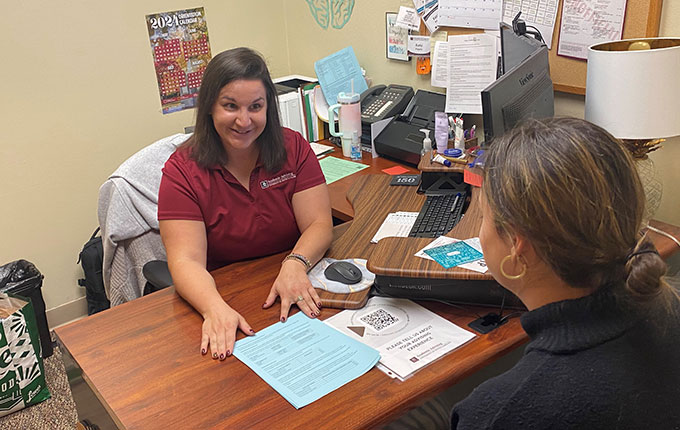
[569,74]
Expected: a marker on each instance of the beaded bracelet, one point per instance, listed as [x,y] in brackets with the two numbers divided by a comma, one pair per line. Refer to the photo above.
[301,258]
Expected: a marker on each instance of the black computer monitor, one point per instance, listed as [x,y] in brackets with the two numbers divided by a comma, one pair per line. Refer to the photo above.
[524,91]
[515,48]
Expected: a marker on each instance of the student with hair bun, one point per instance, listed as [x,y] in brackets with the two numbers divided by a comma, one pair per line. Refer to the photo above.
[562,208]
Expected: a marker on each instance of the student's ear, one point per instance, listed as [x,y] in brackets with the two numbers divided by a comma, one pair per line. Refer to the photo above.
[521,246]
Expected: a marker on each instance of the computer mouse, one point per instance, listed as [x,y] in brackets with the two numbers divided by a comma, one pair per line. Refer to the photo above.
[343,271]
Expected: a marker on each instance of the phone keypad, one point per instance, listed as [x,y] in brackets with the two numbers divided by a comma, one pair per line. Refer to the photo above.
[382,103]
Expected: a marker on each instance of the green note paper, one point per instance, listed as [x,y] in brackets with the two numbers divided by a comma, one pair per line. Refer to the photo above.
[336,168]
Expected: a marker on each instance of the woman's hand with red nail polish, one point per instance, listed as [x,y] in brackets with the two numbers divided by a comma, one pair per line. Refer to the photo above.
[219,330]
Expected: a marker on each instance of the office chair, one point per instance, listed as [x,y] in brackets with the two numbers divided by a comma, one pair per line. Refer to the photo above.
[157,274]
[127,210]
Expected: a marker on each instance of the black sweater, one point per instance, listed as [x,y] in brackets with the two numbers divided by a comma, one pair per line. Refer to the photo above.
[592,363]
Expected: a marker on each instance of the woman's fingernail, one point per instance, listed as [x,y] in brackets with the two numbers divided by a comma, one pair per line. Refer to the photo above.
[283,319]
[263,305]
[203,351]
[252,331]
[313,315]
[215,355]
[319,305]
[228,353]
[221,356]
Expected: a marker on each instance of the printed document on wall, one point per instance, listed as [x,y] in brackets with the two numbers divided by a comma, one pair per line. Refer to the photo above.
[484,14]
[472,67]
[538,13]
[339,72]
[440,65]
[587,22]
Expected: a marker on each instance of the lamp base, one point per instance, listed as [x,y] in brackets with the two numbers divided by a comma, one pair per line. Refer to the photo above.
[652,185]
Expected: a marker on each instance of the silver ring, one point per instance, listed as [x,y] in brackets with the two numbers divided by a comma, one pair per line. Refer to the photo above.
[299,299]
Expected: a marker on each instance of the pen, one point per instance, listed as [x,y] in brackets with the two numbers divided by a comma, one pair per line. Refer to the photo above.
[455,202]
[472,132]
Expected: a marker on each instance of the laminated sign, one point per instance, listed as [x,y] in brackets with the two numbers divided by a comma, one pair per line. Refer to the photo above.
[22,375]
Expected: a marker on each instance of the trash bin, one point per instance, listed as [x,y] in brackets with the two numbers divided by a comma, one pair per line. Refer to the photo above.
[23,279]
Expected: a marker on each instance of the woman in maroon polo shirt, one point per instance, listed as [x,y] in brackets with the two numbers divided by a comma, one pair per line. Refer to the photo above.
[242,187]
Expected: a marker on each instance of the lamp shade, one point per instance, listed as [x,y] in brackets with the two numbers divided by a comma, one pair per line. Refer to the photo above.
[635,94]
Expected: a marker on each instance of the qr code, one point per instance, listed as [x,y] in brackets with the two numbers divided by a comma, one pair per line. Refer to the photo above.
[379,319]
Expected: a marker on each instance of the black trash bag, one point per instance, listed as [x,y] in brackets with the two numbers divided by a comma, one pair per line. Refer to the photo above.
[23,279]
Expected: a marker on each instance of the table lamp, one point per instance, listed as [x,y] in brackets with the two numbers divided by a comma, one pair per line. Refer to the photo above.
[633,92]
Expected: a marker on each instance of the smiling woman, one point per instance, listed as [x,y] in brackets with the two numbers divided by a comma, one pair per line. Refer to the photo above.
[242,187]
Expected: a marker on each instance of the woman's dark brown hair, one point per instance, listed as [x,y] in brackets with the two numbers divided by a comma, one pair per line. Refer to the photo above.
[234,64]
[572,189]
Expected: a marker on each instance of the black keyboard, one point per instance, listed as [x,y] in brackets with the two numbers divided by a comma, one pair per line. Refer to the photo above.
[439,214]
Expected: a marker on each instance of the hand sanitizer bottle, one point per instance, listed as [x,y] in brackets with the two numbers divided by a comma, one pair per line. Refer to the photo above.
[356,146]
[427,142]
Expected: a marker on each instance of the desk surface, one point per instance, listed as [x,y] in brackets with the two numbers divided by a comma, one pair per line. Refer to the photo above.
[141,358]
[341,207]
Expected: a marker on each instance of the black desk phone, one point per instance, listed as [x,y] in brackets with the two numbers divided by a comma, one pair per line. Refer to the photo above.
[382,102]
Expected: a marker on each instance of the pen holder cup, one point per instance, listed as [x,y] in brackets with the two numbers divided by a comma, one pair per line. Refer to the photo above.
[469,143]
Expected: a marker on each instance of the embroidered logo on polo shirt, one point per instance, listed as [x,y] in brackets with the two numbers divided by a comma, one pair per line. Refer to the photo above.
[277,180]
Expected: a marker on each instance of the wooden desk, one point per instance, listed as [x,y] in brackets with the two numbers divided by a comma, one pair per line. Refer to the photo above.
[338,190]
[141,359]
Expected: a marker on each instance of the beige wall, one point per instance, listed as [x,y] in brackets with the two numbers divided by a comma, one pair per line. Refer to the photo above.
[81,96]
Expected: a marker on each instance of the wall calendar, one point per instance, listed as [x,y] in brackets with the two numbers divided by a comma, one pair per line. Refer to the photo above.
[181,52]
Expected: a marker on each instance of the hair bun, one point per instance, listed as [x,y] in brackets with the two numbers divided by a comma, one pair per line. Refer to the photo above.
[645,269]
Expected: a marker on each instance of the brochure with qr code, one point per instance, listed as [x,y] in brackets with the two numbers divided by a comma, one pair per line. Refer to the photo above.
[407,335]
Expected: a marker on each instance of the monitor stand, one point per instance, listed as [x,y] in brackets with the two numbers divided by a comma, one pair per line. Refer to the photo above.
[439,179]
[441,183]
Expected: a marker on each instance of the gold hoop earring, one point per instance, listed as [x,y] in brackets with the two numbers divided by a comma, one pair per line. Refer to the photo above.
[512,277]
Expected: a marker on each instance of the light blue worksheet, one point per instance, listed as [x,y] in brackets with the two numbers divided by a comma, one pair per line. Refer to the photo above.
[304,359]
[336,72]
[454,254]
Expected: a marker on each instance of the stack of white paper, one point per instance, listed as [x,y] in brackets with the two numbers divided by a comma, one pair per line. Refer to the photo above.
[320,149]
[397,224]
[407,335]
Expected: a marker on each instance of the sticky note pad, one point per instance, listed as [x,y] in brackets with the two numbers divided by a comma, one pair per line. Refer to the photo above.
[454,254]
[396,170]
